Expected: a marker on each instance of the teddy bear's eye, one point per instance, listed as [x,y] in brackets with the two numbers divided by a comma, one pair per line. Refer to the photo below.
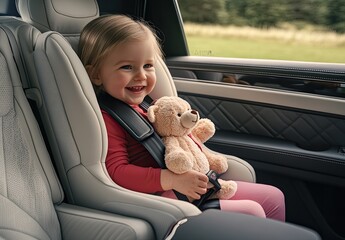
[179,114]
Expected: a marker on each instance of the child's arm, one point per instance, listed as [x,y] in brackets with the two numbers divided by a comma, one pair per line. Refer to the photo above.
[191,183]
[121,170]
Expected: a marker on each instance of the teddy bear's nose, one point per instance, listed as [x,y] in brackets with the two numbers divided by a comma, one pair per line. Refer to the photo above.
[189,118]
[194,112]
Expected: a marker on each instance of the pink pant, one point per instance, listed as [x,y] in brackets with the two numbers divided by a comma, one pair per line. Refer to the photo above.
[256,199]
[253,198]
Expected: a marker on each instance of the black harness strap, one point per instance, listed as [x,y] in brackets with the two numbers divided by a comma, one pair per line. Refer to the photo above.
[137,126]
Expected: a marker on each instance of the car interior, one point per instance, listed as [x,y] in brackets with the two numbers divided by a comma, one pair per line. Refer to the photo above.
[54,184]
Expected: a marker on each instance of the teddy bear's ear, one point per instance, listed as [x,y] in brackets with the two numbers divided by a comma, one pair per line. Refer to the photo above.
[151,113]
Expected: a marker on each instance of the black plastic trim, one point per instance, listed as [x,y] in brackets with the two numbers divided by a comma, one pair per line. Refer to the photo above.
[259,67]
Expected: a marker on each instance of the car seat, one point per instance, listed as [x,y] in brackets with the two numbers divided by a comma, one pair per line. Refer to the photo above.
[72,120]
[31,197]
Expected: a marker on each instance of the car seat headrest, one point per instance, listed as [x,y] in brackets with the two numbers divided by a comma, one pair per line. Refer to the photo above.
[63,16]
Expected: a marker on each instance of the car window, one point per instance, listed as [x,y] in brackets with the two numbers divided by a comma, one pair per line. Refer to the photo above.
[300,30]
[292,30]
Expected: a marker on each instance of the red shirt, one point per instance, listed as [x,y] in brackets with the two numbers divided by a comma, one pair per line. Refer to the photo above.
[128,162]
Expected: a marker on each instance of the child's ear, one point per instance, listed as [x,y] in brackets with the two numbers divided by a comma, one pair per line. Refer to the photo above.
[93,75]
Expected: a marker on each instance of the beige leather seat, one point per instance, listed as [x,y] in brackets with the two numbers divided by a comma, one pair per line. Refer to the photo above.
[31,197]
[73,122]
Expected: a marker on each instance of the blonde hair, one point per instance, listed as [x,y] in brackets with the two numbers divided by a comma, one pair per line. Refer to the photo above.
[105,32]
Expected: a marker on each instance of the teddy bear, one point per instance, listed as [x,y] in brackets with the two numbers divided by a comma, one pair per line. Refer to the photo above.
[183,134]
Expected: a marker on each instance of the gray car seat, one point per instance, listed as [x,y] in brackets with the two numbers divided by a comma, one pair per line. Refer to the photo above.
[72,120]
[31,198]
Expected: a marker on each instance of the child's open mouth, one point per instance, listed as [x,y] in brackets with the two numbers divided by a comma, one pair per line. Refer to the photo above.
[135,89]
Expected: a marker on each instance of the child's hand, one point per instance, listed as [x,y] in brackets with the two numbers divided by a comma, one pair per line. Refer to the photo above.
[192,183]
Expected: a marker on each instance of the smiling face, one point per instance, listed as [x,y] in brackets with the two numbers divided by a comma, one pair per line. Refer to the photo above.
[127,72]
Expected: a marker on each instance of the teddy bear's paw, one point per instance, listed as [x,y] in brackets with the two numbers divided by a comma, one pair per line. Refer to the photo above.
[204,129]
[179,162]
[228,189]
[218,163]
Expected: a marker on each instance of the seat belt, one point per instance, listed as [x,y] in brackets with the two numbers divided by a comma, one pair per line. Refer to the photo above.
[141,130]
[136,125]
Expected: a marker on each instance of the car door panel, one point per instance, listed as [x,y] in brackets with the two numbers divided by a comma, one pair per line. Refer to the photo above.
[306,141]
[294,139]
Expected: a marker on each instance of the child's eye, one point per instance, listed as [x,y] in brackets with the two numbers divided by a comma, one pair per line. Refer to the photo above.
[127,67]
[148,65]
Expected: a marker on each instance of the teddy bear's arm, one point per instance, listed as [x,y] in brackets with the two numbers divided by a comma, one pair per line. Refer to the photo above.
[177,160]
[171,144]
[204,130]
[217,162]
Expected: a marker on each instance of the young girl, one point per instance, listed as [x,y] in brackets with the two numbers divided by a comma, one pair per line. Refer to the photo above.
[119,55]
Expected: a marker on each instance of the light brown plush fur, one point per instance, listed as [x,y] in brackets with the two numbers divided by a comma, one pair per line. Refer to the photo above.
[173,119]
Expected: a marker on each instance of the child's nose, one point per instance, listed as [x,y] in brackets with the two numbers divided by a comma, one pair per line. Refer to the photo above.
[140,75]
